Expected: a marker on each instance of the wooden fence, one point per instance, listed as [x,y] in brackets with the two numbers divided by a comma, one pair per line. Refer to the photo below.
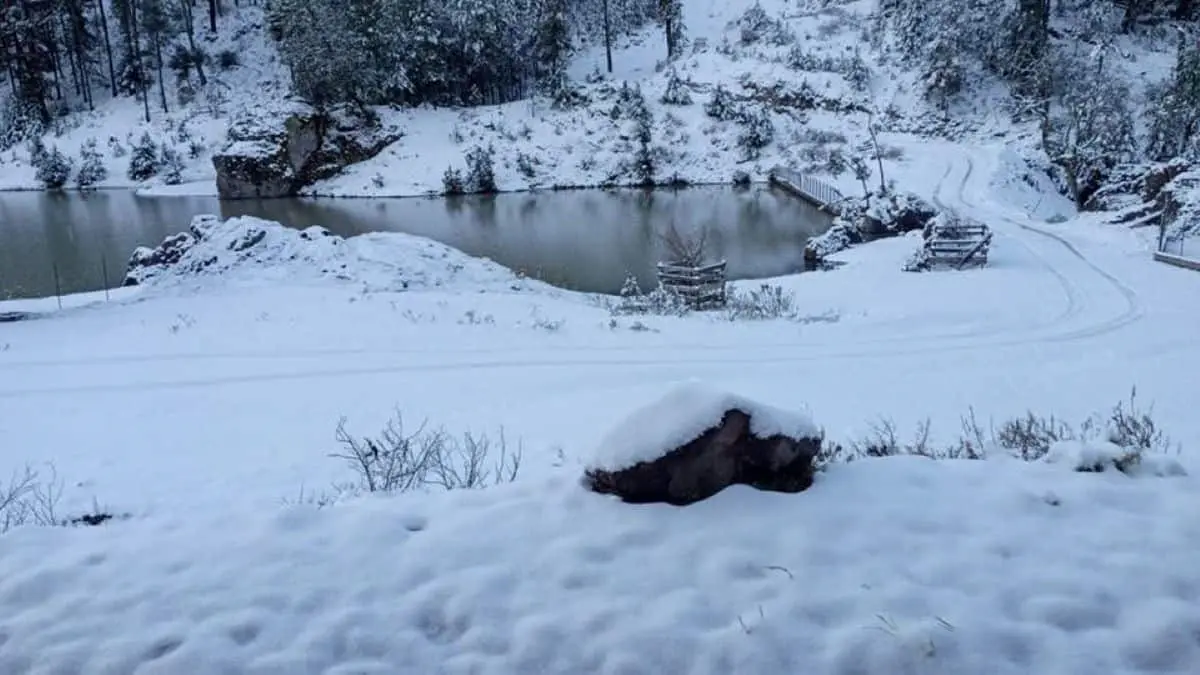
[821,194]
[958,243]
[700,287]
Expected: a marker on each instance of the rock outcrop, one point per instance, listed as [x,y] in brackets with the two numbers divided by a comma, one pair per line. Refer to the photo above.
[280,155]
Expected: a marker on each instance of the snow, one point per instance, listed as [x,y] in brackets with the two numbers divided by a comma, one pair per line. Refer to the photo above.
[1099,456]
[685,412]
[200,408]
[247,250]
[204,407]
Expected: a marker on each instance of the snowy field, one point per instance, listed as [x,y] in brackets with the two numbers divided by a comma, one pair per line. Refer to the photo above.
[200,406]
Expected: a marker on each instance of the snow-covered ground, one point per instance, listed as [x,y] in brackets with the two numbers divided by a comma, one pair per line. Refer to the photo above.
[200,408]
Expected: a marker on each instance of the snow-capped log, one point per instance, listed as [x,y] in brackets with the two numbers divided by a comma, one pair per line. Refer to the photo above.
[267,158]
[694,442]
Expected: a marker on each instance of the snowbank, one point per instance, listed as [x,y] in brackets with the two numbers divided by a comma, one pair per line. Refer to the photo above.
[1100,456]
[876,570]
[682,414]
[252,250]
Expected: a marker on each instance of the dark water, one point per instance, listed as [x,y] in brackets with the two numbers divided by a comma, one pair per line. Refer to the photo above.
[588,240]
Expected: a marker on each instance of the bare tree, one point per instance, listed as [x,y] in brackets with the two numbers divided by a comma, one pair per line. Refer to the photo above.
[689,250]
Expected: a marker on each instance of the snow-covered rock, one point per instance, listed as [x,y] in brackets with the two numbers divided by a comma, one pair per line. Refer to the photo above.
[248,249]
[696,441]
[279,157]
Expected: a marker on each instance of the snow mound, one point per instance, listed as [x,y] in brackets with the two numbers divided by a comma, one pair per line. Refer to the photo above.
[685,412]
[252,250]
[1100,456]
[541,577]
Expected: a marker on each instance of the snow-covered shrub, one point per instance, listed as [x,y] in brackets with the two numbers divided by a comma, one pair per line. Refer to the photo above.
[721,106]
[1031,436]
[768,301]
[757,131]
[527,165]
[919,261]
[453,182]
[171,165]
[227,59]
[116,147]
[677,92]
[755,25]
[741,178]
[403,460]
[1126,439]
[900,211]
[661,301]
[91,166]
[843,234]
[630,100]
[53,169]
[144,160]
[481,170]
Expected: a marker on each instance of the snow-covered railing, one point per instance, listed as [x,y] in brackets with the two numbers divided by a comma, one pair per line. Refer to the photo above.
[701,287]
[1177,260]
[957,243]
[820,193]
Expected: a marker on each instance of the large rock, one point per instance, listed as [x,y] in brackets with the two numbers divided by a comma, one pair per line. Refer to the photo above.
[695,442]
[278,155]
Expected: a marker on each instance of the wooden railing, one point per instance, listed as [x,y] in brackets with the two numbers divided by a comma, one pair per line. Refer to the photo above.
[700,287]
[959,243]
[815,190]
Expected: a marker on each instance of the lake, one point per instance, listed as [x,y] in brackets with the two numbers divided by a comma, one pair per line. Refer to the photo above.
[587,240]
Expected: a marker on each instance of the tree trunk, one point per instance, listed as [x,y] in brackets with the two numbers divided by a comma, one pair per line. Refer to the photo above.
[607,38]
[112,71]
[212,15]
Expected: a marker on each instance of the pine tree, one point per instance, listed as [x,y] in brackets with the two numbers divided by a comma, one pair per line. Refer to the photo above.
[552,46]
[91,166]
[144,160]
[171,164]
[53,169]
[1175,112]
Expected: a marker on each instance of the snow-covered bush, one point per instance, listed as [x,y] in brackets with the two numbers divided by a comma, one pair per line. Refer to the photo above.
[741,178]
[677,92]
[843,234]
[227,59]
[53,169]
[171,165]
[527,165]
[399,459]
[116,147]
[144,160]
[453,182]
[757,131]
[1126,439]
[661,301]
[91,166]
[481,170]
[755,25]
[721,106]
[29,498]
[768,301]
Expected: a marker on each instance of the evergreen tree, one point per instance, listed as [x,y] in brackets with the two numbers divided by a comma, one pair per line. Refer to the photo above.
[552,46]
[1175,110]
[53,169]
[91,166]
[143,159]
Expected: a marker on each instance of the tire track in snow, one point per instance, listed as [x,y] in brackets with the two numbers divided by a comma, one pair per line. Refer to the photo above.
[1132,311]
